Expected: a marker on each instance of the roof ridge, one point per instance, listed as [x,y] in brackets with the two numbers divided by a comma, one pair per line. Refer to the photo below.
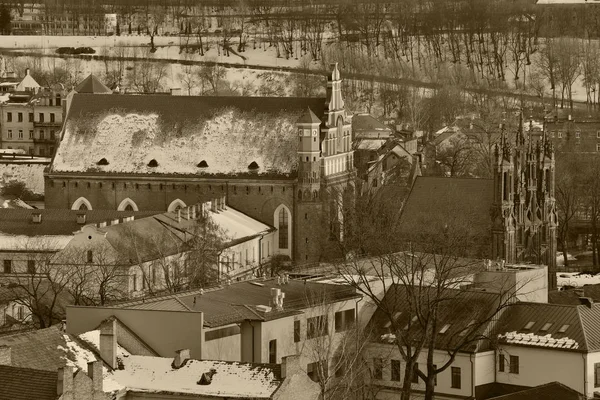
[183,304]
[585,338]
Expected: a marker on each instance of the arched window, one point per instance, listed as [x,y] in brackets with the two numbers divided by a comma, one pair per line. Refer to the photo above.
[283,228]
[127,205]
[81,204]
[176,205]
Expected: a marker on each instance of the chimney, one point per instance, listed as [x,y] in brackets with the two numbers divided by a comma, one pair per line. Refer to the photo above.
[64,384]
[206,377]
[95,374]
[36,217]
[81,218]
[108,342]
[176,92]
[5,355]
[586,301]
[26,71]
[181,356]
[290,366]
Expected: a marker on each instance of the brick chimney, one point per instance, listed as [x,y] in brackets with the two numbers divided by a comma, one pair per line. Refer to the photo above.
[108,342]
[290,366]
[64,384]
[5,355]
[181,356]
[95,374]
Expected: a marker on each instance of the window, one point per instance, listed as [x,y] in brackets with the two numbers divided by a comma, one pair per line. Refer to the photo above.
[560,135]
[52,118]
[377,368]
[41,134]
[30,134]
[316,326]
[296,331]
[597,146]
[30,117]
[20,117]
[396,370]
[90,256]
[563,328]
[283,228]
[445,328]
[41,117]
[597,375]
[514,365]
[9,134]
[31,266]
[52,135]
[435,376]
[529,325]
[546,326]
[21,313]
[273,351]
[7,266]
[456,377]
[9,117]
[134,276]
[344,320]
[501,362]
[20,133]
[577,134]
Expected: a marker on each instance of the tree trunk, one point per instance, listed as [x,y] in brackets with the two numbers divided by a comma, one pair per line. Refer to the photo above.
[407,383]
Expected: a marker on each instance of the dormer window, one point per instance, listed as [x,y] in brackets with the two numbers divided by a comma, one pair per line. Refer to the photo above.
[153,163]
[103,161]
[529,325]
[546,326]
[563,328]
[253,165]
[202,164]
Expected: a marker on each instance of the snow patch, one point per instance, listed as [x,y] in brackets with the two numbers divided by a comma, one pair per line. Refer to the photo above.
[576,280]
[539,341]
[31,174]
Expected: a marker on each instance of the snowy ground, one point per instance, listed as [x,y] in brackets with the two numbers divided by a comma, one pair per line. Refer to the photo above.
[574,279]
[31,174]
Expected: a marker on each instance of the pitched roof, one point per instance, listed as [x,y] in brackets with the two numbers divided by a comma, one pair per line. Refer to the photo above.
[366,126]
[27,83]
[231,379]
[27,384]
[308,117]
[178,132]
[56,221]
[462,205]
[540,325]
[549,391]
[92,84]
[458,310]
[237,302]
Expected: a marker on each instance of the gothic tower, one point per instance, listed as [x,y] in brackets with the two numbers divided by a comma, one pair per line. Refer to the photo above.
[524,210]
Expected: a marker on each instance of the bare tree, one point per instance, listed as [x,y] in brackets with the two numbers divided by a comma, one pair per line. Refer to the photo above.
[211,74]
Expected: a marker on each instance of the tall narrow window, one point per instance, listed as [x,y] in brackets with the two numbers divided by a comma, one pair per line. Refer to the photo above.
[41,117]
[20,117]
[52,118]
[501,362]
[456,381]
[7,266]
[31,267]
[514,365]
[597,375]
[9,117]
[377,368]
[396,370]
[273,351]
[296,331]
[90,256]
[283,228]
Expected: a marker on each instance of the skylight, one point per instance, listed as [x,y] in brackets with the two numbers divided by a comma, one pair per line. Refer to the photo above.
[397,315]
[387,325]
[445,328]
[563,328]
[529,325]
[413,320]
[547,326]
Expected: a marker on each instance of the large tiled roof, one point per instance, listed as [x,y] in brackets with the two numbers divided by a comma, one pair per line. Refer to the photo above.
[458,205]
[237,302]
[179,132]
[56,221]
[458,310]
[557,326]
[549,391]
[27,384]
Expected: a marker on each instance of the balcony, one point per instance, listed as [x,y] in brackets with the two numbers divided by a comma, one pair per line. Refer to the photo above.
[44,141]
[47,124]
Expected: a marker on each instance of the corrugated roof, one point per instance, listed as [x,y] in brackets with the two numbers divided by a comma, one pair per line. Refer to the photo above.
[229,133]
[458,310]
[548,391]
[236,302]
[56,221]
[27,384]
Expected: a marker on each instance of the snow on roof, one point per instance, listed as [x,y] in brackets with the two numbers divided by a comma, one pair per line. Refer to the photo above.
[532,339]
[232,379]
[237,225]
[574,279]
[179,132]
[370,144]
[24,242]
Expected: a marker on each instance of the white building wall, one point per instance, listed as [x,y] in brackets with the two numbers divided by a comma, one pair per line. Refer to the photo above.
[538,365]
[590,384]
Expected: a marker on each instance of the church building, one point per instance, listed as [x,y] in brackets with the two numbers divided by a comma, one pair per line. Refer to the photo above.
[285,161]
[511,217]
